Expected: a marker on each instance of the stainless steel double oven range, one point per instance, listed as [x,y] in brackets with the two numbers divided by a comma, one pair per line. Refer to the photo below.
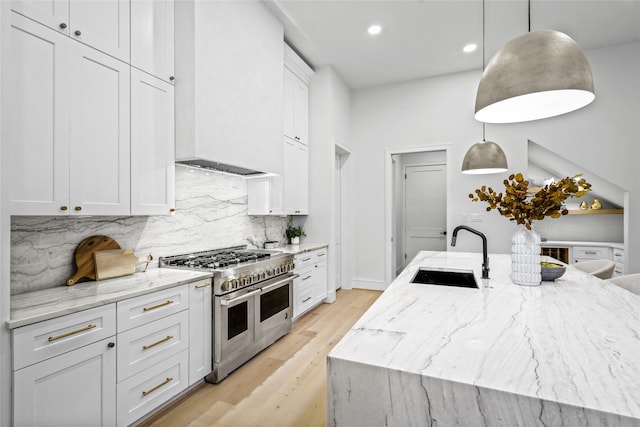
[252,301]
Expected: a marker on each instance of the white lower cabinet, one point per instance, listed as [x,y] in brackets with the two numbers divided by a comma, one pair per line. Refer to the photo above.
[200,330]
[77,388]
[114,364]
[310,287]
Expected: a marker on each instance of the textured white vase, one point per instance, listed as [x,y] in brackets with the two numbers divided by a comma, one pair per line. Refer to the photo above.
[295,240]
[525,257]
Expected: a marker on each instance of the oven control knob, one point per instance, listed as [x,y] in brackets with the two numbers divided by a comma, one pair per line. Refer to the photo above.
[225,286]
[234,283]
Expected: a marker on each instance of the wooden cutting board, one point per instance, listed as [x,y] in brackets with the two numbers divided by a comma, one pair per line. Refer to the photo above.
[114,263]
[85,265]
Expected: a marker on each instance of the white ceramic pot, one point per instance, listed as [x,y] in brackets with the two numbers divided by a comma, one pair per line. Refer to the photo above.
[295,240]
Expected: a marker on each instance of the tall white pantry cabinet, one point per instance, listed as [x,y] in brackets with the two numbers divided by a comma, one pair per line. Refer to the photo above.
[89,134]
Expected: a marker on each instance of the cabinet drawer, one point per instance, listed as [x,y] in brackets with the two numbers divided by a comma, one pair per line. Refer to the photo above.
[303,260]
[320,255]
[302,294]
[144,392]
[147,308]
[145,345]
[41,341]
[591,252]
[618,255]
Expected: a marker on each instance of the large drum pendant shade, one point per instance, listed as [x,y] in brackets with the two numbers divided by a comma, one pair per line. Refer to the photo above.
[534,76]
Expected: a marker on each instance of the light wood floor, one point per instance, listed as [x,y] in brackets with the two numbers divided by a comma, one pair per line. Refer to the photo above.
[285,385]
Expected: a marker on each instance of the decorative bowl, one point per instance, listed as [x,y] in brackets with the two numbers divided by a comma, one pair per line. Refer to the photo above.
[551,271]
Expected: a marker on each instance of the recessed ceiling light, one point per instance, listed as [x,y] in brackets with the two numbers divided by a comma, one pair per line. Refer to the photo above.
[471,47]
[374,29]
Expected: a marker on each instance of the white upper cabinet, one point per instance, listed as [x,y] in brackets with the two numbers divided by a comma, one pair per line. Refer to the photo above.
[296,107]
[100,134]
[152,145]
[103,25]
[152,34]
[296,177]
[68,151]
[36,152]
[229,109]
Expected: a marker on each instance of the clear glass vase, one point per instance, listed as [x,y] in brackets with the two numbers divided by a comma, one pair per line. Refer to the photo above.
[525,257]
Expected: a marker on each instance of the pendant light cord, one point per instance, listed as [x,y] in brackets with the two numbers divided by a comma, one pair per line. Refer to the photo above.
[483,57]
[529,13]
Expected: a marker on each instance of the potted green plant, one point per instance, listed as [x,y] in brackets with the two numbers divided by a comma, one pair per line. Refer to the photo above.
[294,233]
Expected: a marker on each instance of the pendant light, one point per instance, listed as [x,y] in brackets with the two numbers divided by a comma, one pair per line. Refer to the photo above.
[534,76]
[484,157]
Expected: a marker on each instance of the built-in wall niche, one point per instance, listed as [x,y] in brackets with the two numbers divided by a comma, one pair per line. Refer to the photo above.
[605,224]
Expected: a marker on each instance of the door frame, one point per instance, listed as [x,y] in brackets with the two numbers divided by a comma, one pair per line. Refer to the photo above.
[346,173]
[388,199]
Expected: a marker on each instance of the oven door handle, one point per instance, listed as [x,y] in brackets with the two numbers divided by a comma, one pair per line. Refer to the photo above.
[248,295]
[278,283]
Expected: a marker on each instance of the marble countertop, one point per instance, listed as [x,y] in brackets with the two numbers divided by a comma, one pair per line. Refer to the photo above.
[575,341]
[616,245]
[36,306]
[302,247]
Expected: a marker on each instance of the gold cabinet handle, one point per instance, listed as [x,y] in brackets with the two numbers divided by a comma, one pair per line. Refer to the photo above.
[204,285]
[151,390]
[306,278]
[172,210]
[63,208]
[153,307]
[148,346]
[306,259]
[66,334]
[322,254]
[306,299]
[78,208]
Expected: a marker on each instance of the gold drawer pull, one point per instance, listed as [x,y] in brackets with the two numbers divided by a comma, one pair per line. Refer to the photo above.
[306,259]
[306,299]
[77,331]
[148,346]
[204,285]
[151,390]
[153,307]
[306,278]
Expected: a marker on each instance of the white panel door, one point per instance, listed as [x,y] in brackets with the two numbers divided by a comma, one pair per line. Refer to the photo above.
[425,209]
[100,134]
[77,388]
[152,29]
[52,13]
[103,25]
[290,185]
[152,145]
[36,161]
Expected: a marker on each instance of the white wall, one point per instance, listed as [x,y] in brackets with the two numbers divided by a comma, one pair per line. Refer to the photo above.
[5,346]
[329,113]
[604,137]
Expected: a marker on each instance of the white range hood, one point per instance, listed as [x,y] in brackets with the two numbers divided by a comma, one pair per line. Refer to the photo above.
[229,86]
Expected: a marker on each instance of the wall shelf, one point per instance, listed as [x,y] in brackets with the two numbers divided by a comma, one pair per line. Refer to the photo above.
[596,211]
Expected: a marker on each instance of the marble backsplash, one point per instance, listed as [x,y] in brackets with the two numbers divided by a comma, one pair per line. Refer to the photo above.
[211,212]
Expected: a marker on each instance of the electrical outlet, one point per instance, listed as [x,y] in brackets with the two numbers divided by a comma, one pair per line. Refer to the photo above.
[476,217]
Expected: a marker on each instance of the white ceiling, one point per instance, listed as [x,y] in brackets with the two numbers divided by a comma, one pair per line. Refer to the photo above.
[425,38]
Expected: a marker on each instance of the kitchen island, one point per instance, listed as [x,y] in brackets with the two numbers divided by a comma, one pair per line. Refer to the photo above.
[566,353]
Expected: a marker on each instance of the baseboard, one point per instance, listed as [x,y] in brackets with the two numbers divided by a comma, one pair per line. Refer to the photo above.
[374,285]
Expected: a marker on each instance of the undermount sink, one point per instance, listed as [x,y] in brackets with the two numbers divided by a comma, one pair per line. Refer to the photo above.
[434,276]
